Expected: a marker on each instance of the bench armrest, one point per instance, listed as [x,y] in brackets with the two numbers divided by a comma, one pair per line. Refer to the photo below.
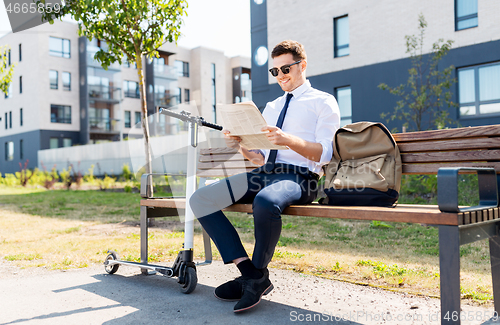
[448,189]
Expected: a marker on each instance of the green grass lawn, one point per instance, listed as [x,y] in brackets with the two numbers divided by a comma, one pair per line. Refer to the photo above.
[60,229]
[99,206]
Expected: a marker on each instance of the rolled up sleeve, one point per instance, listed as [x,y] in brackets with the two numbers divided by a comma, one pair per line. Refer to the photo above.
[326,126]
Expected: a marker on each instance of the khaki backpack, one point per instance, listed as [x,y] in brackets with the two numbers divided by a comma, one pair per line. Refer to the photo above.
[365,169]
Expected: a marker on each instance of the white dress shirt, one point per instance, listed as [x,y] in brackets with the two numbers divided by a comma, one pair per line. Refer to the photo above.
[313,116]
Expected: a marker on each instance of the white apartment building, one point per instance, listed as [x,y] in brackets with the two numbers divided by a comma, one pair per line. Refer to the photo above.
[61,97]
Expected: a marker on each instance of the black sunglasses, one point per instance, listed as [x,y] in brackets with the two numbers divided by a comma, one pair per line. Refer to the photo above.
[285,69]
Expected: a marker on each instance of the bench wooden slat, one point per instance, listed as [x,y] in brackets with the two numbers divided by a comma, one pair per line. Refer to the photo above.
[223,173]
[226,165]
[466,132]
[453,156]
[401,213]
[433,168]
[220,150]
[463,144]
[221,157]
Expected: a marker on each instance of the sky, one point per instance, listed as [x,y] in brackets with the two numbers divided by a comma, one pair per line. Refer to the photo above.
[218,24]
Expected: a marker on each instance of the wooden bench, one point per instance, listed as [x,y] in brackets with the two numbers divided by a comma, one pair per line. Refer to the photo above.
[422,153]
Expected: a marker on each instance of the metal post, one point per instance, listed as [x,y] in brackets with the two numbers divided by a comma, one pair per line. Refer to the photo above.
[144,237]
[449,264]
[495,270]
[190,186]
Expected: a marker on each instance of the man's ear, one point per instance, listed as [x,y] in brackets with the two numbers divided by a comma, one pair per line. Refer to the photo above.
[303,65]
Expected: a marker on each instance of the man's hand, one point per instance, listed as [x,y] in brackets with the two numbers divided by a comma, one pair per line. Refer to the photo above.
[231,141]
[276,135]
[310,150]
[255,156]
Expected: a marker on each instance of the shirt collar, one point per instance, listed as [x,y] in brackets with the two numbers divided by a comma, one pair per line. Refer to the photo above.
[300,89]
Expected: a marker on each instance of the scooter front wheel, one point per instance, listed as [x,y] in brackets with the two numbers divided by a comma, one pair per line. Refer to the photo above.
[190,281]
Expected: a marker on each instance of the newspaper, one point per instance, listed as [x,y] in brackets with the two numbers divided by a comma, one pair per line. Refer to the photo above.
[245,121]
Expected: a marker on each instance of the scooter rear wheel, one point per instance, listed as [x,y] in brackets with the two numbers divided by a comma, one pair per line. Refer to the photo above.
[111,269]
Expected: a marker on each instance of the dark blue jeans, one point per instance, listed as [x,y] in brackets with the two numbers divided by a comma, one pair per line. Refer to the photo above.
[270,194]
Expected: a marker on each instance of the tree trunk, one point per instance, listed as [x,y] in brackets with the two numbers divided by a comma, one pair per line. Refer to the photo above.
[144,110]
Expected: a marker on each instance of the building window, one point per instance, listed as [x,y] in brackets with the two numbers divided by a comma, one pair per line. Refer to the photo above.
[187,96]
[479,90]
[9,151]
[214,98]
[66,80]
[9,92]
[131,89]
[54,79]
[9,60]
[465,14]
[60,114]
[54,143]
[128,121]
[21,117]
[179,94]
[67,142]
[182,68]
[20,53]
[59,47]
[21,150]
[20,84]
[6,122]
[159,64]
[344,99]
[10,120]
[137,117]
[129,64]
[341,36]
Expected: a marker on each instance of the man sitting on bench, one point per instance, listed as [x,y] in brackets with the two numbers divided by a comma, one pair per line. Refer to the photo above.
[285,177]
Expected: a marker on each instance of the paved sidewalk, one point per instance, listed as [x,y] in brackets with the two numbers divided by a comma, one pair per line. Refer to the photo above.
[90,296]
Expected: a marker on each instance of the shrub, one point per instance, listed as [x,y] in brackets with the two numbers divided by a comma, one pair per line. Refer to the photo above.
[10,180]
[66,177]
[89,177]
[77,177]
[106,182]
[48,179]
[126,173]
[24,174]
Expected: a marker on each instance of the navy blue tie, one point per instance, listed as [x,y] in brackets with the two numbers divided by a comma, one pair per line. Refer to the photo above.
[272,155]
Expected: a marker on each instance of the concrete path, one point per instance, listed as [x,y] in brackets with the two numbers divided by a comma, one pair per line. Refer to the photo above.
[91,296]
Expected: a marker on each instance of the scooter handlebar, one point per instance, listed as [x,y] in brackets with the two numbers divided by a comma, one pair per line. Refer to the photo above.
[174,114]
[212,126]
[186,117]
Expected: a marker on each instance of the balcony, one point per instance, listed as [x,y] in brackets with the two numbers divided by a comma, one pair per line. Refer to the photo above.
[94,63]
[166,101]
[165,71]
[104,125]
[105,93]
[246,85]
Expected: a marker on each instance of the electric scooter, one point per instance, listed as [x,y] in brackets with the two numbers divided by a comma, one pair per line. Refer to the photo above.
[184,267]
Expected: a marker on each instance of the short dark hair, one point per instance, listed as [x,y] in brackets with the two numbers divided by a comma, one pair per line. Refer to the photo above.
[292,47]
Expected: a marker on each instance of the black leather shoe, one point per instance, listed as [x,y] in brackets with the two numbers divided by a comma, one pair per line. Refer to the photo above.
[253,290]
[233,290]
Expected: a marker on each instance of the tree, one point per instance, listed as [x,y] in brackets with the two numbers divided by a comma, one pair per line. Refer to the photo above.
[6,71]
[427,88]
[133,29]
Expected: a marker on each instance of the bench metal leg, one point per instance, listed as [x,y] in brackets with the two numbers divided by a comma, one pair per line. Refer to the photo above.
[495,270]
[144,238]
[449,263]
